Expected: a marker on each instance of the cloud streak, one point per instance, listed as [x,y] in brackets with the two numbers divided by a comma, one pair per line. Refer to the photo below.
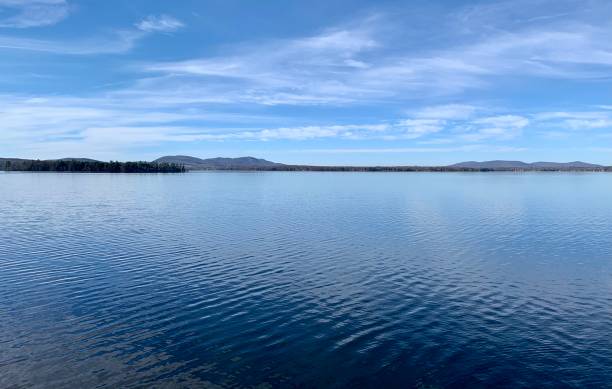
[372,81]
[352,65]
[115,43]
[410,150]
[161,23]
[33,13]
[110,124]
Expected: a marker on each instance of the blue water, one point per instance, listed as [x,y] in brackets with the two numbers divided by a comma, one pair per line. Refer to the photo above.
[304,280]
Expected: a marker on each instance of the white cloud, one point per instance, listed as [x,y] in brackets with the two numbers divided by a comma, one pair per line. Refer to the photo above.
[509,121]
[358,63]
[117,42]
[103,126]
[491,133]
[33,13]
[577,120]
[34,119]
[332,51]
[124,122]
[354,64]
[416,128]
[298,133]
[113,42]
[504,127]
[579,124]
[303,71]
[161,23]
[466,148]
[447,112]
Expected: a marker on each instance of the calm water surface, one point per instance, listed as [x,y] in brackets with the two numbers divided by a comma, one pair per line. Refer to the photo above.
[340,280]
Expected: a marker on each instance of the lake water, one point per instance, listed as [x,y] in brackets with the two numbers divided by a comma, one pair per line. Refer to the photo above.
[304,280]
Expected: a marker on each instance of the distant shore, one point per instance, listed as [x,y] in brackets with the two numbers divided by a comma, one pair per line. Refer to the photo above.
[257,164]
[181,164]
[83,165]
[432,169]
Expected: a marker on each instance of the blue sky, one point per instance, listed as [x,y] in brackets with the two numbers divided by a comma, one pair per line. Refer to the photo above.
[320,82]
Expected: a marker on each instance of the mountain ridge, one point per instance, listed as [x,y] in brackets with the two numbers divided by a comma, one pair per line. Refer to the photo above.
[501,164]
[195,163]
[251,163]
[186,162]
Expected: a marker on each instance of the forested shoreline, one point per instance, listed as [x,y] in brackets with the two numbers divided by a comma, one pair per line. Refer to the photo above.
[432,169]
[89,166]
[83,165]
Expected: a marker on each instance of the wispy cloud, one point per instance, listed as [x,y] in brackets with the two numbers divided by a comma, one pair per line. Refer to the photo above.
[584,120]
[303,71]
[116,42]
[107,126]
[409,91]
[353,64]
[113,42]
[161,23]
[33,13]
[447,112]
[512,121]
[416,128]
[408,150]
[130,123]
[502,127]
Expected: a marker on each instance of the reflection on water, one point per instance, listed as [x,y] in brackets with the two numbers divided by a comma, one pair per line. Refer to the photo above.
[306,280]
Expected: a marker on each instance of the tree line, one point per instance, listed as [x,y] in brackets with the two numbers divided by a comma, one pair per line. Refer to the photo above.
[91,166]
[309,168]
[80,166]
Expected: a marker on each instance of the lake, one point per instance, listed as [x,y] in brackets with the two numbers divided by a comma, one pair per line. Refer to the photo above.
[306,280]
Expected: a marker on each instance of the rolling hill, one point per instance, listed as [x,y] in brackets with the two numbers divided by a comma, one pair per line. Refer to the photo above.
[193,163]
[493,165]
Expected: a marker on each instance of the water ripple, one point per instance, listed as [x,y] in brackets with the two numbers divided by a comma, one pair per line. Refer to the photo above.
[242,280]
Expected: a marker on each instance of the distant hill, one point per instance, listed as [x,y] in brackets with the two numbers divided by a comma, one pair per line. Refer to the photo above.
[522,165]
[13,159]
[78,159]
[180,163]
[566,165]
[492,165]
[193,163]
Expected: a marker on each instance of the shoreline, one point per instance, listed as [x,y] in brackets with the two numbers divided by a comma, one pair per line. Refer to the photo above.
[242,170]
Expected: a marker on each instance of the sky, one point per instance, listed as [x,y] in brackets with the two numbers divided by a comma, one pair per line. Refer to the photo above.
[318,82]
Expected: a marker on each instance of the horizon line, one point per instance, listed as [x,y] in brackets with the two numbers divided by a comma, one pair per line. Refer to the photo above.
[605,165]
